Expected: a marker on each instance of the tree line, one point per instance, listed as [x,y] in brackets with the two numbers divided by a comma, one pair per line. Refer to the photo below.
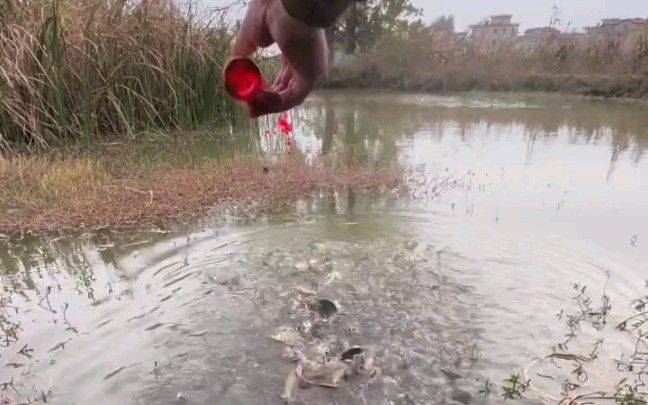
[366,22]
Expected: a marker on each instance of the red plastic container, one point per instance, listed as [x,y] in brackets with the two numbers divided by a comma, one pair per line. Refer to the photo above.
[243,79]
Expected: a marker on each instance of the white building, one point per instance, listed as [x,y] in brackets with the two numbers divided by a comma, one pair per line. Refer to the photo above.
[495,32]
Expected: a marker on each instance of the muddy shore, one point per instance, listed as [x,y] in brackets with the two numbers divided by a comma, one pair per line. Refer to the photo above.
[45,195]
[182,194]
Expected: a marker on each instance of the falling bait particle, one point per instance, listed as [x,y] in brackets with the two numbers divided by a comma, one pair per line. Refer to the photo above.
[284,125]
[286,129]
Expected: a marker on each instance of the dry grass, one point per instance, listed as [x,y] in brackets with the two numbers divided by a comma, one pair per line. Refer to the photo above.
[420,63]
[82,70]
[33,183]
[76,190]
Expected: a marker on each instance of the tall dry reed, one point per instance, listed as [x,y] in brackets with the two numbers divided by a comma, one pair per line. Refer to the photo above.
[78,70]
[420,61]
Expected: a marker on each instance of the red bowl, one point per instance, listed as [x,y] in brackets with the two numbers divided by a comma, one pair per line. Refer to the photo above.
[243,79]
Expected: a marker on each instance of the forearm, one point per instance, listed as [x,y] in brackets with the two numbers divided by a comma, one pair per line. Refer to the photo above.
[317,13]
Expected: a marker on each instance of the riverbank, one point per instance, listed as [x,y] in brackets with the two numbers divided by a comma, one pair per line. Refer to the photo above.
[420,61]
[127,184]
[605,86]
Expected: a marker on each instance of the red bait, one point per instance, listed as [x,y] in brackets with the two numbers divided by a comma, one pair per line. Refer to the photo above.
[243,79]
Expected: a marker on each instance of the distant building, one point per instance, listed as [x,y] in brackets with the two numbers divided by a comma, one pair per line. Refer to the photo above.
[442,37]
[534,37]
[460,39]
[575,38]
[496,32]
[460,36]
[626,32]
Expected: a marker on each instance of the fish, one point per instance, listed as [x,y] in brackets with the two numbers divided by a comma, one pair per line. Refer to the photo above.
[328,375]
[287,335]
[290,387]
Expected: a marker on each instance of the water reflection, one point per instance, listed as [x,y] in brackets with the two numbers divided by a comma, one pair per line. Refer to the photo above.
[382,119]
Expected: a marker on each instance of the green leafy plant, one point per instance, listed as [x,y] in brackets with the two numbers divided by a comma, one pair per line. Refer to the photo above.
[514,387]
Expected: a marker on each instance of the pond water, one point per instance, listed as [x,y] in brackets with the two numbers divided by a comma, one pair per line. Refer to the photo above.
[460,285]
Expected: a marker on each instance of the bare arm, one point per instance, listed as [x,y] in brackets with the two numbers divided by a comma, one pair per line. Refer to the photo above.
[317,13]
[297,28]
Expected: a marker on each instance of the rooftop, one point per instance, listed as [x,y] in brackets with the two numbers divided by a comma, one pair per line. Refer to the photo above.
[541,29]
[613,22]
[501,20]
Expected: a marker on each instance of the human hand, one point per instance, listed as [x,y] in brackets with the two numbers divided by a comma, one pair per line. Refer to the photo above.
[304,54]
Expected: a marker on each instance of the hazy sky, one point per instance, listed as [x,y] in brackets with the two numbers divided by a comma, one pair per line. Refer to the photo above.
[529,13]
[533,13]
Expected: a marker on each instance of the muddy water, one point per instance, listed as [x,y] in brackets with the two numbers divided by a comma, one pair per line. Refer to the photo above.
[455,287]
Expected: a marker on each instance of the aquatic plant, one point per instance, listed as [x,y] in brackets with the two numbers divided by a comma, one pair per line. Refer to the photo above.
[8,327]
[629,390]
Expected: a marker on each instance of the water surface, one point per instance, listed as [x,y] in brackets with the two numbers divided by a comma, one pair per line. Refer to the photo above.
[469,279]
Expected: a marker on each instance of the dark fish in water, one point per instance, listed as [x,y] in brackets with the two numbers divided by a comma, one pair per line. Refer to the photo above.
[326,308]
[351,353]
